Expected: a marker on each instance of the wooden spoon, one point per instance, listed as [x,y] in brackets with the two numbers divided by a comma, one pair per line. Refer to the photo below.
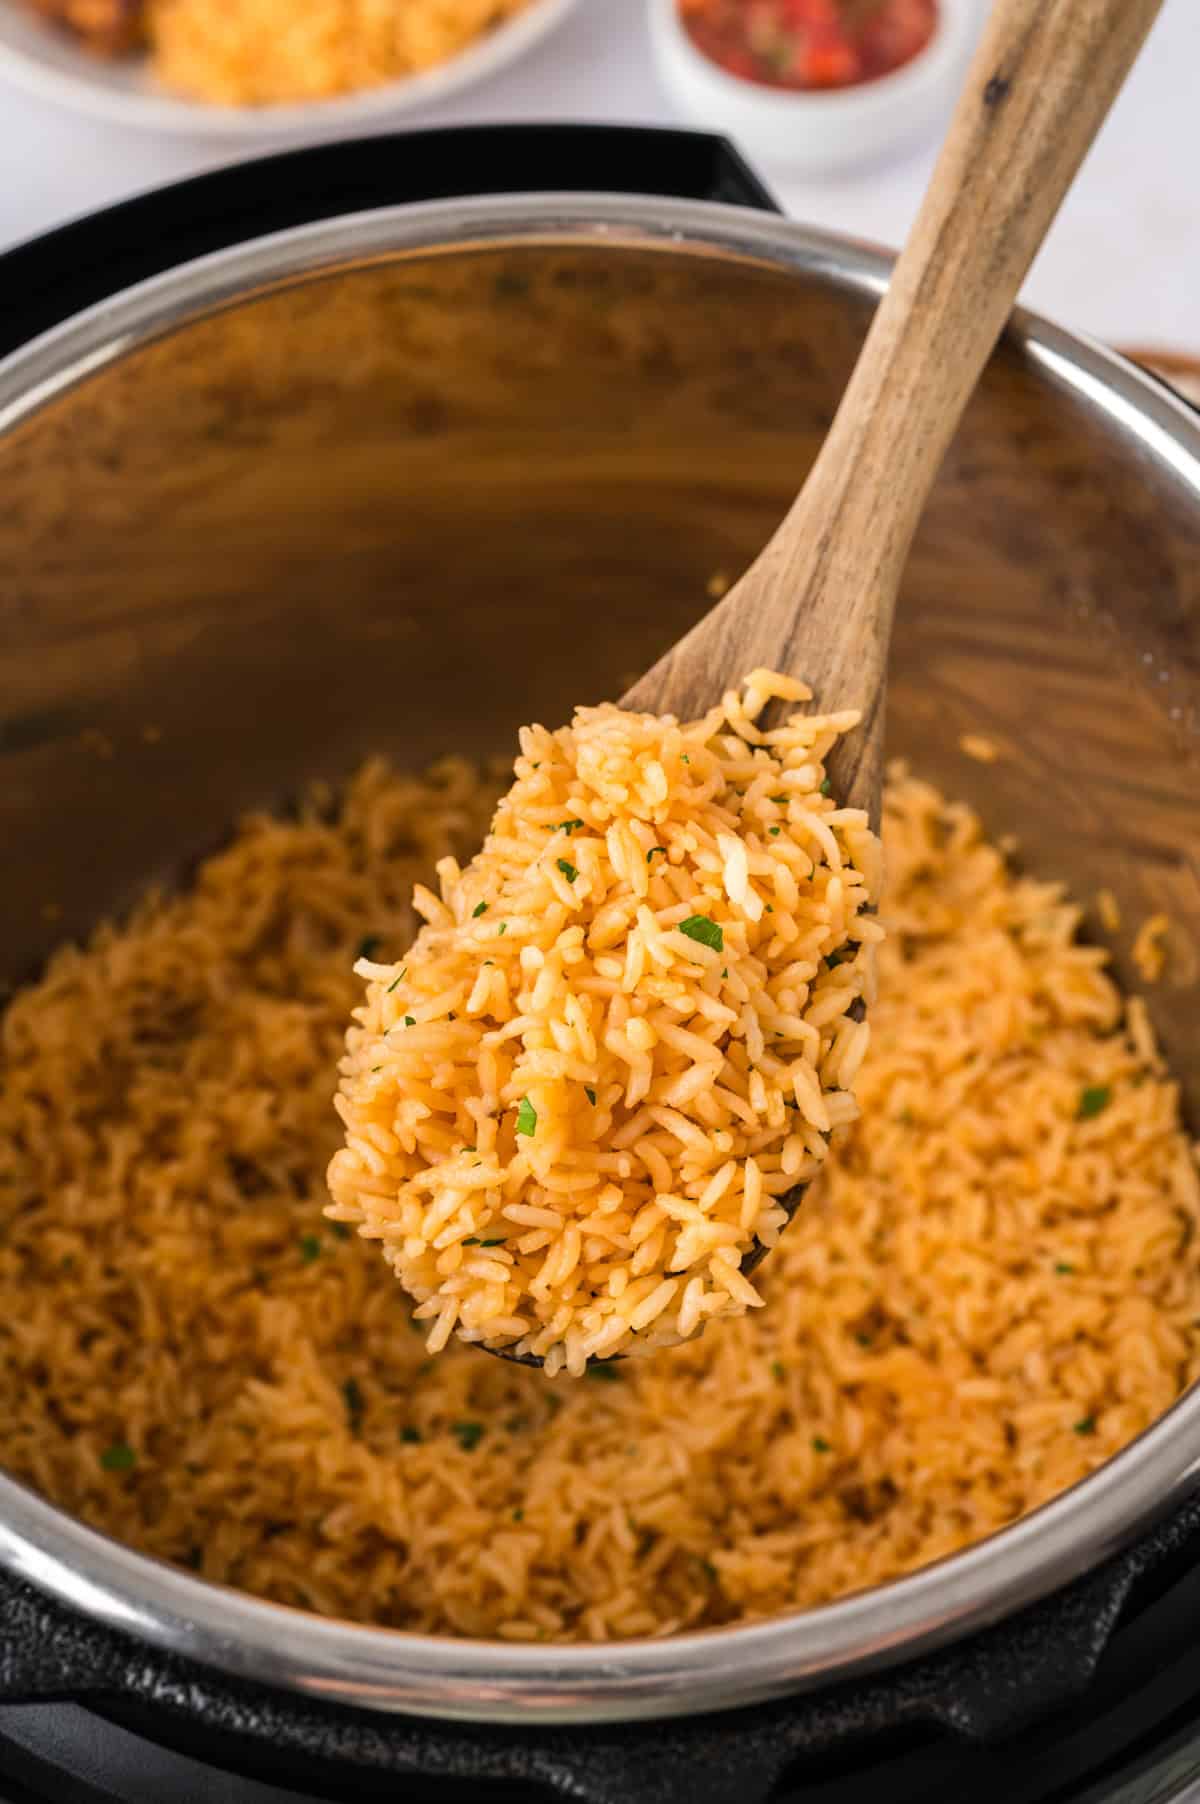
[818,600]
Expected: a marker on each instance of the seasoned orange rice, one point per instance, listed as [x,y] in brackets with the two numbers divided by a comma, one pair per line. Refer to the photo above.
[623,1037]
[260,52]
[992,1287]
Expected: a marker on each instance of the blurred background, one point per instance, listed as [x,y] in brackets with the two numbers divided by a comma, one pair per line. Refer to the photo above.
[78,129]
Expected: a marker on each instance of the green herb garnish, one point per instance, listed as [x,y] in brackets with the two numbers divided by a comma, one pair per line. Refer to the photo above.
[310,1247]
[1086,1426]
[503,928]
[772,831]
[778,1370]
[1063,1269]
[518,1515]
[1093,1101]
[467,1434]
[590,1094]
[604,1370]
[410,1020]
[567,868]
[653,850]
[568,827]
[781,800]
[399,978]
[820,1445]
[480,908]
[368,947]
[412,1437]
[825,786]
[684,759]
[526,1117]
[120,1457]
[705,931]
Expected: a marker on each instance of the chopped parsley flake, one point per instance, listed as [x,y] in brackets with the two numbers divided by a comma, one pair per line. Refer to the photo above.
[399,978]
[355,1404]
[567,868]
[410,1020]
[120,1457]
[906,1118]
[467,1434]
[1063,1269]
[368,947]
[518,1515]
[653,850]
[472,1240]
[825,787]
[310,1247]
[820,1445]
[778,1370]
[503,927]
[480,908]
[1086,1426]
[864,1340]
[590,1094]
[773,831]
[1093,1101]
[781,800]
[684,759]
[706,932]
[603,1369]
[526,1117]
[568,827]
[412,1437]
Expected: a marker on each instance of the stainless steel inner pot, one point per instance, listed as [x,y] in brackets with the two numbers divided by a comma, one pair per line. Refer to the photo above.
[403,480]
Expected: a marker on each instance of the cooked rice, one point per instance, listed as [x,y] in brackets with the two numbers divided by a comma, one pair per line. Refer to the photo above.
[1109,910]
[994,1287]
[1149,950]
[981,749]
[259,52]
[623,1037]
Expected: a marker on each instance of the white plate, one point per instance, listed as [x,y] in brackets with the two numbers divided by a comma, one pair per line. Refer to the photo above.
[45,62]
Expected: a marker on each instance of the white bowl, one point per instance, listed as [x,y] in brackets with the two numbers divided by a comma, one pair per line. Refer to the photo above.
[817,131]
[45,62]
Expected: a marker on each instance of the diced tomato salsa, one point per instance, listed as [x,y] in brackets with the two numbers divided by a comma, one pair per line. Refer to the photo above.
[810,43]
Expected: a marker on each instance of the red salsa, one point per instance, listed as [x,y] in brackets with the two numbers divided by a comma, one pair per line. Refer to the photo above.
[810,43]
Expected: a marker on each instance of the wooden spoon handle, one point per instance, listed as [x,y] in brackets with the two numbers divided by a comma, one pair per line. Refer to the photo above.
[818,601]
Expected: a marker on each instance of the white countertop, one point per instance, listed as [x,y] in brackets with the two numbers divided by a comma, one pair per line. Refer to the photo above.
[1122,262]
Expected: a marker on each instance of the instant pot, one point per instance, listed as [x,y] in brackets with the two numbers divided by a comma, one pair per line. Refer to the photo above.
[372,446]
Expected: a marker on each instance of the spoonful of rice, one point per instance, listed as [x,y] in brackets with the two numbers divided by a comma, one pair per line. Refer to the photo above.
[584,1106]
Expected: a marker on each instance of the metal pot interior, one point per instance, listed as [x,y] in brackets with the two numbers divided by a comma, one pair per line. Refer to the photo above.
[462,472]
